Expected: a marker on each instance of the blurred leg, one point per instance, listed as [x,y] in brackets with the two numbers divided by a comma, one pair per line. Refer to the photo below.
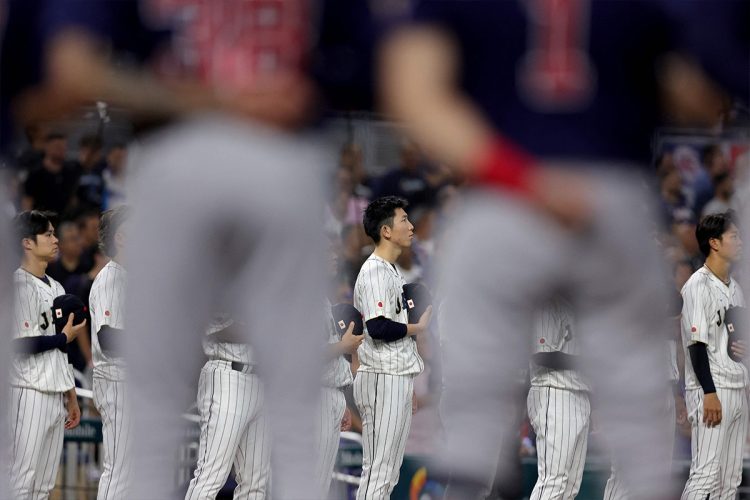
[223,211]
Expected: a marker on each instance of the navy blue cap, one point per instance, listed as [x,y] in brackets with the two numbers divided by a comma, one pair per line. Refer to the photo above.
[63,305]
[343,314]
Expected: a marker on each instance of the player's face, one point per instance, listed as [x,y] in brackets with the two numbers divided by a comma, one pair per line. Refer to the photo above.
[402,232]
[45,246]
[730,244]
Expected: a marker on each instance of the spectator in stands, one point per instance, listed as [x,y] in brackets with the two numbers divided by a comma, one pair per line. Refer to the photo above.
[674,202]
[351,160]
[114,177]
[344,207]
[68,263]
[90,190]
[51,185]
[723,190]
[713,163]
[68,270]
[354,252]
[88,226]
[408,180]
[32,155]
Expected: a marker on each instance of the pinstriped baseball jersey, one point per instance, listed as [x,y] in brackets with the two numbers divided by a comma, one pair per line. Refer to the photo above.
[337,372]
[227,351]
[705,301]
[553,328]
[107,307]
[48,371]
[674,368]
[378,291]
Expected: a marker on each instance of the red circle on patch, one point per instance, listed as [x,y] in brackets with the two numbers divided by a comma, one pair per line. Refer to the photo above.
[380,304]
[25,324]
[693,329]
[542,341]
[106,313]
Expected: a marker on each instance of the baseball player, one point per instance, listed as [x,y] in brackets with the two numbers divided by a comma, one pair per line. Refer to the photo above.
[388,357]
[337,375]
[715,381]
[344,329]
[43,399]
[558,405]
[234,429]
[512,95]
[106,305]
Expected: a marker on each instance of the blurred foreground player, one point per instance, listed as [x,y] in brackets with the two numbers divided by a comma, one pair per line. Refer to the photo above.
[530,101]
[224,202]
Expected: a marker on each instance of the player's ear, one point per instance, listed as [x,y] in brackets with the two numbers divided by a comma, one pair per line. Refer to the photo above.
[714,244]
[385,232]
[26,242]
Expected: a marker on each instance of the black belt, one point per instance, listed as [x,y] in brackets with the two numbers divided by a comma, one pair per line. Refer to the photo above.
[241,367]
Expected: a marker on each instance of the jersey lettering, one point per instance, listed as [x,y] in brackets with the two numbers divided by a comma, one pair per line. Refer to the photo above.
[44,325]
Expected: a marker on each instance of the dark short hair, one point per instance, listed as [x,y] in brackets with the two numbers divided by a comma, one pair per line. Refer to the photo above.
[111,221]
[31,223]
[380,213]
[712,226]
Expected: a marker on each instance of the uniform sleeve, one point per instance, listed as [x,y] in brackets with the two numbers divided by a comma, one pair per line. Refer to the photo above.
[108,302]
[26,311]
[695,315]
[377,294]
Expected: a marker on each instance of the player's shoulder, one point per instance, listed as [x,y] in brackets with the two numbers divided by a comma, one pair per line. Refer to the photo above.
[371,266]
[698,281]
[24,280]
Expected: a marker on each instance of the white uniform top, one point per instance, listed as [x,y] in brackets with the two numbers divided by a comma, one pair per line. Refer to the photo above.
[553,331]
[705,301]
[378,292]
[225,351]
[47,371]
[107,308]
[337,372]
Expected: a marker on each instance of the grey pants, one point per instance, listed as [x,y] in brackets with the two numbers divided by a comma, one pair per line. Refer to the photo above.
[502,260]
[226,217]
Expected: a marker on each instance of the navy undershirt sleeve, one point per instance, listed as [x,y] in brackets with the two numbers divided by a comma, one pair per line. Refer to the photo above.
[40,343]
[701,367]
[107,338]
[384,329]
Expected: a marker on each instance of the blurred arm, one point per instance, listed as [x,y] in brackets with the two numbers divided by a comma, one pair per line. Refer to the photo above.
[418,72]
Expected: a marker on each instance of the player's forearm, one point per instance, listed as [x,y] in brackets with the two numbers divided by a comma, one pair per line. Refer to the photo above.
[79,73]
[702,367]
[38,344]
[418,75]
[70,394]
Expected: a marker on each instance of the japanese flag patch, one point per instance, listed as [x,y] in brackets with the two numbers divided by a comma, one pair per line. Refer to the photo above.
[58,313]
[342,325]
[410,303]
